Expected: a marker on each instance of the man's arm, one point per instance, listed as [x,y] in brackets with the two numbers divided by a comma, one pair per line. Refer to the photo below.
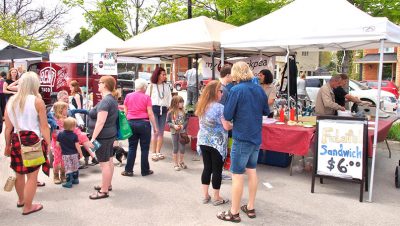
[230,106]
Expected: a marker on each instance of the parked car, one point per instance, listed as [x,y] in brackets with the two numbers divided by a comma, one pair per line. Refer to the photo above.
[386,85]
[181,83]
[388,100]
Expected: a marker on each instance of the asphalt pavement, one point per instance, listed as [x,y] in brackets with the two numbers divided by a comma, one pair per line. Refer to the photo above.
[170,197]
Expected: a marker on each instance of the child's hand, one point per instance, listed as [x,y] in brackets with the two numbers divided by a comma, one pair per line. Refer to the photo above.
[177,127]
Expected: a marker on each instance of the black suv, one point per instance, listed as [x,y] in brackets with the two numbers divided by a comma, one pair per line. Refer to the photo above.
[125,81]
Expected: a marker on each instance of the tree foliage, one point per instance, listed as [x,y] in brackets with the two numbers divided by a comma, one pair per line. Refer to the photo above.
[380,8]
[34,27]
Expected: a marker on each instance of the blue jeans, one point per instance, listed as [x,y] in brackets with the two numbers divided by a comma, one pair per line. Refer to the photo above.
[161,118]
[141,132]
[243,155]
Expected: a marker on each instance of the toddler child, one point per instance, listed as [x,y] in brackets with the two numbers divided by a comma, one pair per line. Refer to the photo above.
[177,122]
[71,152]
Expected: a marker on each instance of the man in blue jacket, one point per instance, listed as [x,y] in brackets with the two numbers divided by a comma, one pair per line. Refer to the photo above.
[245,106]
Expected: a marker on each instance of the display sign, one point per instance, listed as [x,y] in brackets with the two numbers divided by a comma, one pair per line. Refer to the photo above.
[340,148]
[256,63]
[105,63]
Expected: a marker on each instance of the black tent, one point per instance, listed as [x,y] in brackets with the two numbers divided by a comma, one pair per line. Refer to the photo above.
[11,52]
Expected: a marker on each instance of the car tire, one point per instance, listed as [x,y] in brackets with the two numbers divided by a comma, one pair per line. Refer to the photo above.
[178,87]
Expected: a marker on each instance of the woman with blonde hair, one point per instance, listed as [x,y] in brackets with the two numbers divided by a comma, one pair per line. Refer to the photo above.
[212,139]
[103,129]
[26,113]
[246,105]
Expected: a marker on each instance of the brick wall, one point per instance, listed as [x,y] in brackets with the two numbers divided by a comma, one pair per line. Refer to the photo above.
[370,71]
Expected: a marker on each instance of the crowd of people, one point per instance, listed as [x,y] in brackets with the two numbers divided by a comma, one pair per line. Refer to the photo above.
[223,109]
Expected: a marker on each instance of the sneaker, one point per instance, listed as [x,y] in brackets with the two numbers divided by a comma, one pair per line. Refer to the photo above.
[94,162]
[183,165]
[226,177]
[177,168]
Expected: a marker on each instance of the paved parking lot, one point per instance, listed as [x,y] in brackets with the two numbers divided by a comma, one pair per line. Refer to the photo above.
[174,198]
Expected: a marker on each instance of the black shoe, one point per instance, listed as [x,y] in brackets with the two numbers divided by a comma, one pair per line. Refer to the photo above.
[94,162]
[148,173]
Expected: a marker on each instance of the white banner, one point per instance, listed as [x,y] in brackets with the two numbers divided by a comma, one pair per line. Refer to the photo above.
[105,63]
[340,148]
[256,63]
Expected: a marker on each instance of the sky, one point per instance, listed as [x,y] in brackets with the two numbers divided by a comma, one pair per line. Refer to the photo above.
[75,19]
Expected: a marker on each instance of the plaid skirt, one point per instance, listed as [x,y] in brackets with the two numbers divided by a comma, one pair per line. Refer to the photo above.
[27,138]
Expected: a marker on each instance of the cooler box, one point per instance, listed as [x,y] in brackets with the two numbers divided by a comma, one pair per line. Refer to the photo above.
[274,158]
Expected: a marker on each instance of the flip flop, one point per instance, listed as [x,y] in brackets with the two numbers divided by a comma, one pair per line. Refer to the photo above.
[20,205]
[99,195]
[34,210]
[220,202]
[40,184]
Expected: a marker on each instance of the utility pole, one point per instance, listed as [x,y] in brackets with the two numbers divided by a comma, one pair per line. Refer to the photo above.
[189,9]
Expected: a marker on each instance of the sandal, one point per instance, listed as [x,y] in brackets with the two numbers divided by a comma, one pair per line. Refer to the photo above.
[98,188]
[220,202]
[38,208]
[228,216]
[125,173]
[40,184]
[250,213]
[161,156]
[19,205]
[154,157]
[99,195]
[183,165]
[177,168]
[206,200]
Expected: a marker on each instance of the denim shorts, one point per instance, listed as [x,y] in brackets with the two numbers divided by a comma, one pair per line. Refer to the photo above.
[160,118]
[243,155]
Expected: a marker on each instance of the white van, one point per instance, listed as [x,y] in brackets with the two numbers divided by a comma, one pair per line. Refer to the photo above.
[388,100]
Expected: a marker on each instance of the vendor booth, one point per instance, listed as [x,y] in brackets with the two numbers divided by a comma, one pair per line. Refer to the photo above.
[317,25]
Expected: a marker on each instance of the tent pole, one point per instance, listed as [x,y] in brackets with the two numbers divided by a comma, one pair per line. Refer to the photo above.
[288,77]
[222,57]
[197,76]
[87,85]
[378,106]
[213,66]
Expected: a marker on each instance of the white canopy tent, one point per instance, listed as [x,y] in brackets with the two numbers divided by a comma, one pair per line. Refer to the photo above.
[98,43]
[186,37]
[317,25]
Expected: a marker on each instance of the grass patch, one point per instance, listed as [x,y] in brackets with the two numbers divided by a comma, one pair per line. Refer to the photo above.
[394,132]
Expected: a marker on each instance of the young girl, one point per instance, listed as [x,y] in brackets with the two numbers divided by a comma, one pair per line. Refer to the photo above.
[177,121]
[61,113]
[71,151]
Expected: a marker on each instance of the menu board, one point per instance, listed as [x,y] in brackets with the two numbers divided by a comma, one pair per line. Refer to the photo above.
[340,148]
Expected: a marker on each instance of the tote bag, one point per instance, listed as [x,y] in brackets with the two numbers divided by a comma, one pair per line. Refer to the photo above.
[124,129]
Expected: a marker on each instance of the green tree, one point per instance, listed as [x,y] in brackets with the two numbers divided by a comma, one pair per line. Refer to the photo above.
[381,8]
[31,26]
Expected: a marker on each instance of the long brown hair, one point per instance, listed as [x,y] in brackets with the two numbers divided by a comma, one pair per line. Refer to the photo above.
[76,89]
[9,77]
[174,108]
[209,95]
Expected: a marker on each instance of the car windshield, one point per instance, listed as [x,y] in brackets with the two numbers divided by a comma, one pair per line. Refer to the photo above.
[145,75]
[359,85]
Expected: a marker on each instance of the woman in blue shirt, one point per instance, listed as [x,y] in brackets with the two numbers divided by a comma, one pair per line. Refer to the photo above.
[212,139]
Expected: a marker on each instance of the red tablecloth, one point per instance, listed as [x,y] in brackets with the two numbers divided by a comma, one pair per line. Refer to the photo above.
[287,139]
[383,130]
